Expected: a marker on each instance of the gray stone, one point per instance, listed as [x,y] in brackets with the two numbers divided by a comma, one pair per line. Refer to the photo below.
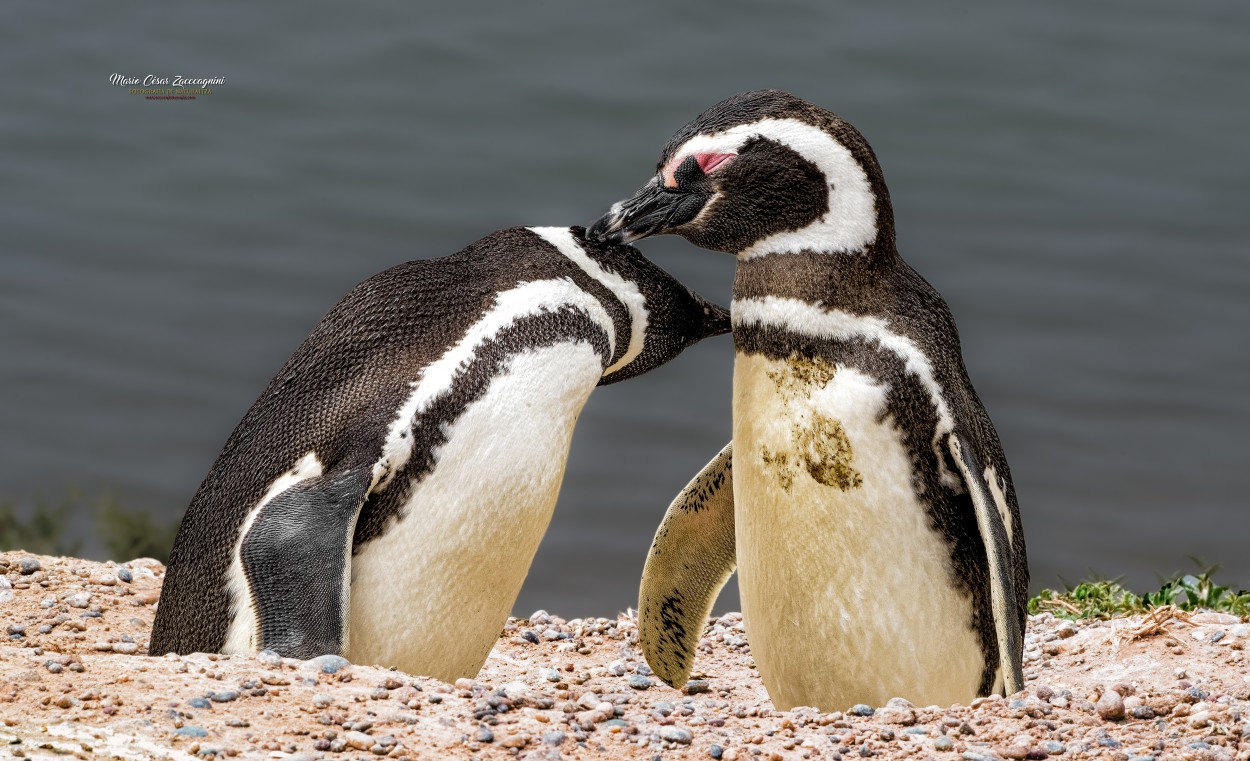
[676,735]
[1110,706]
[329,664]
[639,682]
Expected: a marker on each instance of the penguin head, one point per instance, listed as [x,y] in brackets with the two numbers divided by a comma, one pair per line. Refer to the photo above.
[673,316]
[759,173]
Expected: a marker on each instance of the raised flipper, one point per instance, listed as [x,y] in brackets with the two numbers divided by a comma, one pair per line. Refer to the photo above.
[691,558]
[297,559]
[992,524]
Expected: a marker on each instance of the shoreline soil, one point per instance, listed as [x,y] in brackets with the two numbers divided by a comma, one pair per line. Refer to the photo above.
[74,682]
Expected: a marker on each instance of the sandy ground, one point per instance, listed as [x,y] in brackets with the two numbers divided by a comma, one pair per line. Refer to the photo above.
[74,682]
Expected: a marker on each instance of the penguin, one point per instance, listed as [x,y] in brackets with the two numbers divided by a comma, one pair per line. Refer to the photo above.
[383,498]
[865,502]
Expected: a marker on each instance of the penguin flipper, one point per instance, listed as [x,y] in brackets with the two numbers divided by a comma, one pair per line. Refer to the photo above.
[691,558]
[991,519]
[297,560]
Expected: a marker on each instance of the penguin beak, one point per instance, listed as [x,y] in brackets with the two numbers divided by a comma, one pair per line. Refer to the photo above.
[653,210]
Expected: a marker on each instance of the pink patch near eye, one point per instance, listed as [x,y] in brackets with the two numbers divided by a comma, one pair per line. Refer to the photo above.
[709,161]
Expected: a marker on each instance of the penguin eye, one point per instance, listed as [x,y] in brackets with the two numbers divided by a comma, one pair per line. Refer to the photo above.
[710,161]
[707,163]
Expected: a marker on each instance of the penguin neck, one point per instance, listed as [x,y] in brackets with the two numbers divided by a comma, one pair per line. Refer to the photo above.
[852,281]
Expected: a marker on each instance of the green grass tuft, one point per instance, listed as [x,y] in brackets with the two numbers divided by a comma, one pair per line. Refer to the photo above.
[1107,598]
[125,534]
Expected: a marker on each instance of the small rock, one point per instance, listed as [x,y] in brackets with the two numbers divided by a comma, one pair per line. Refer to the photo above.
[860,709]
[943,743]
[199,703]
[1214,617]
[1142,712]
[26,566]
[53,666]
[676,735]
[1110,706]
[358,740]
[78,600]
[125,575]
[191,731]
[329,664]
[695,686]
[125,648]
[553,738]
[639,682]
[18,630]
[897,711]
[484,735]
[1200,719]
[1015,751]
[515,741]
[715,751]
[269,658]
[551,675]
[1065,630]
[223,697]
[322,701]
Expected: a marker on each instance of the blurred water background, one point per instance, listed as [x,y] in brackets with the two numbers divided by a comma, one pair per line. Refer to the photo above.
[1072,176]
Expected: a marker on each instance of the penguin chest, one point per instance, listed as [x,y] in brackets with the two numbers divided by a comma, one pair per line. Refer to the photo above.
[431,595]
[847,591]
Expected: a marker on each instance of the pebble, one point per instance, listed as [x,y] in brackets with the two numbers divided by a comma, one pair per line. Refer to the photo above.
[16,629]
[1110,706]
[1065,630]
[125,648]
[322,701]
[860,709]
[27,566]
[897,711]
[191,731]
[358,740]
[199,703]
[484,735]
[223,697]
[125,575]
[943,743]
[1143,712]
[553,738]
[551,675]
[329,664]
[79,600]
[715,751]
[676,735]
[639,682]
[269,658]
[529,635]
[695,686]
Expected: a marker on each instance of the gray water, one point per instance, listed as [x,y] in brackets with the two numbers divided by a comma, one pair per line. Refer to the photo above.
[1073,177]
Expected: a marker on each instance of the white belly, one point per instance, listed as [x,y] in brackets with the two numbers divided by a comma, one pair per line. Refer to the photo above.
[846,590]
[431,596]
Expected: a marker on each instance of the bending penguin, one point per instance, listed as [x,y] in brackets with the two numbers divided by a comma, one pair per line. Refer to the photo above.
[865,500]
[384,497]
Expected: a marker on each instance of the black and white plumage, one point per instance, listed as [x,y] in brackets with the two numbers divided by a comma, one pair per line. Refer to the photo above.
[878,538]
[385,495]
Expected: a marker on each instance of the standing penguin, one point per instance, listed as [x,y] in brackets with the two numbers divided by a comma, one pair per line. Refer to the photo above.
[866,499]
[384,497]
